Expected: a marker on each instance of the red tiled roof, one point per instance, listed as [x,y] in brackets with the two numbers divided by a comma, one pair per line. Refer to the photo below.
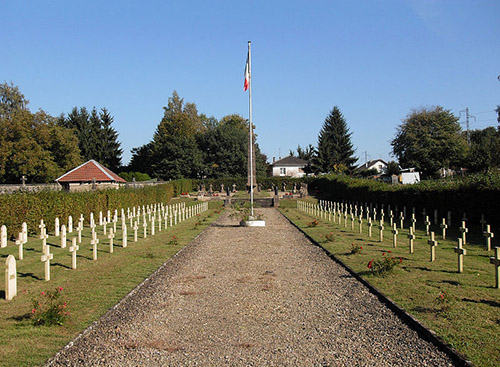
[88,172]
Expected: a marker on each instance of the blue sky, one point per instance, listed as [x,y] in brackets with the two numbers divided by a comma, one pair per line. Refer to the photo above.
[375,60]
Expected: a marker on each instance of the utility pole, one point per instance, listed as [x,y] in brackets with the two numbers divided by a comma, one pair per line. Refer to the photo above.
[467,116]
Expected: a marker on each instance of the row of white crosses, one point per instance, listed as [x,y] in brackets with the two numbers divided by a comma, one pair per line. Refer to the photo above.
[154,214]
[329,210]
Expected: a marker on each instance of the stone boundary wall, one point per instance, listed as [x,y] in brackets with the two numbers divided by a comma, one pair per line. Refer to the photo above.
[11,188]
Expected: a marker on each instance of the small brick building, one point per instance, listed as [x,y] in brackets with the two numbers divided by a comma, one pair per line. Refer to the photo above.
[90,175]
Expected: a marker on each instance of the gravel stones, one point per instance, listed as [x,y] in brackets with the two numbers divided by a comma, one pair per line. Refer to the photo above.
[249,296]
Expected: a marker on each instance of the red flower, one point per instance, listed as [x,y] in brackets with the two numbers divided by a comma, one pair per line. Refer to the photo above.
[361,248]
[42,293]
[389,251]
[370,264]
[60,289]
[383,253]
[400,260]
[33,310]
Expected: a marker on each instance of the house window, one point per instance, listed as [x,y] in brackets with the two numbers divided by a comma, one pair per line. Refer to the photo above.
[283,171]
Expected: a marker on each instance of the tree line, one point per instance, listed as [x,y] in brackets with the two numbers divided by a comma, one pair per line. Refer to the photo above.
[41,147]
[187,144]
[428,139]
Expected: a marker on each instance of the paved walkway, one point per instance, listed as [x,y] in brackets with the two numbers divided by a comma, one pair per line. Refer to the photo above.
[250,297]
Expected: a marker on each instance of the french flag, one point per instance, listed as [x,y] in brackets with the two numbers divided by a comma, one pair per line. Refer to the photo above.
[247,75]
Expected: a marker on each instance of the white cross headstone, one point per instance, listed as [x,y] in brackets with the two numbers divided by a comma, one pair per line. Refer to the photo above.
[100,218]
[432,243]
[153,225]
[488,235]
[395,232]
[42,227]
[495,260]
[381,232]
[73,249]
[79,230]
[411,238]
[370,225]
[111,236]
[104,226]
[19,243]
[145,228]
[427,223]
[136,227]
[70,224]
[463,230]
[413,221]
[63,236]
[444,226]
[10,278]
[24,231]
[46,257]
[56,227]
[159,221]
[94,242]
[401,219]
[461,252]
[3,236]
[124,236]
[360,221]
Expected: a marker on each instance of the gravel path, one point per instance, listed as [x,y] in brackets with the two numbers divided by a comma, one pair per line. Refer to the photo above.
[250,297]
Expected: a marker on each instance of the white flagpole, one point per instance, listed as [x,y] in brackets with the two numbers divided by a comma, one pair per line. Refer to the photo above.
[250,126]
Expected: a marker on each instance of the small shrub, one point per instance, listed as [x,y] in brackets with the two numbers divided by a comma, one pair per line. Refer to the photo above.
[385,265]
[313,223]
[49,308]
[173,241]
[444,302]
[355,248]
[330,237]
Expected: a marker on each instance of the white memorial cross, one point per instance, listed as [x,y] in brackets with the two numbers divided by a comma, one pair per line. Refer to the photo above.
[145,228]
[370,225]
[10,278]
[401,219]
[381,231]
[63,236]
[19,243]
[94,242]
[495,260]
[46,257]
[443,226]
[70,224]
[136,227]
[124,236]
[3,236]
[427,223]
[488,235]
[395,232]
[413,221]
[73,249]
[460,251]
[463,230]
[111,236]
[42,227]
[153,225]
[432,243]
[411,238]
[56,227]
[360,221]
[100,218]
[104,226]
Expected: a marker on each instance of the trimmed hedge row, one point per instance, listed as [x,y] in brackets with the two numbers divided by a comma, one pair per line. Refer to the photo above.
[31,207]
[474,195]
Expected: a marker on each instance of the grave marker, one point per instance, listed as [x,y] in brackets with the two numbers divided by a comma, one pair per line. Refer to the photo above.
[94,242]
[381,232]
[427,223]
[124,236]
[63,236]
[443,226]
[145,227]
[20,242]
[395,232]
[46,257]
[73,249]
[56,227]
[24,231]
[463,230]
[432,243]
[401,219]
[413,221]
[10,278]
[370,224]
[461,252]
[42,227]
[411,238]
[111,236]
[70,224]
[360,221]
[488,235]
[3,236]
[495,260]
[153,225]
[136,227]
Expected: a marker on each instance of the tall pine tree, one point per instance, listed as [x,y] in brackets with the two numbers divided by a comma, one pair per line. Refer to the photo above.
[335,149]
[110,151]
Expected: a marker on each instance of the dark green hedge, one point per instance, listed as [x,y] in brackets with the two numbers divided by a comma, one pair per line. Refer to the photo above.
[31,207]
[474,195]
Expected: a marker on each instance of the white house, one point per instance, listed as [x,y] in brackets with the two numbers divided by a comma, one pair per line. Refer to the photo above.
[289,167]
[379,164]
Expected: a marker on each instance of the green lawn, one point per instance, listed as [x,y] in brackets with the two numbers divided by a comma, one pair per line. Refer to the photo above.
[90,290]
[468,318]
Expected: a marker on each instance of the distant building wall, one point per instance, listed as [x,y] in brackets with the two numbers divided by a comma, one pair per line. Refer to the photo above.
[288,171]
[11,188]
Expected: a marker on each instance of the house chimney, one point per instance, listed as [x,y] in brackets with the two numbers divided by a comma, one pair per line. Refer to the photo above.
[274,160]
